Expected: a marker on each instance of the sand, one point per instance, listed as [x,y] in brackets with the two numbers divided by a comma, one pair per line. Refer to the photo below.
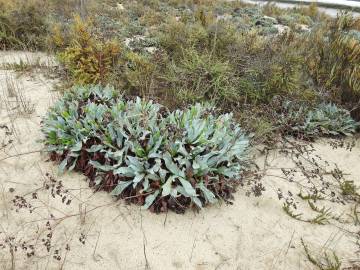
[253,233]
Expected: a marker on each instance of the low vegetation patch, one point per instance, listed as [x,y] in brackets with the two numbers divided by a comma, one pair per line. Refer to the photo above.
[325,120]
[140,151]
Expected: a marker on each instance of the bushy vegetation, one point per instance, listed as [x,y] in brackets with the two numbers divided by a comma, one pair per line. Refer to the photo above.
[87,59]
[22,25]
[140,151]
[230,53]
[333,57]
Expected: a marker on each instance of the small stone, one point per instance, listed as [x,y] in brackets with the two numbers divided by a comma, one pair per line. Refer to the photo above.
[120,7]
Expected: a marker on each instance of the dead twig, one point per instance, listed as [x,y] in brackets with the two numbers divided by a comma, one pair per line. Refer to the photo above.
[21,154]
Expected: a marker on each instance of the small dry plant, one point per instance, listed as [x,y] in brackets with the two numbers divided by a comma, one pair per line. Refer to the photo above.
[15,101]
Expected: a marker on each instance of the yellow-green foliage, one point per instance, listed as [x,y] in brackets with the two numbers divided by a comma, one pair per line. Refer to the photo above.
[88,60]
[347,68]
[177,35]
[199,76]
[139,74]
[23,24]
[57,39]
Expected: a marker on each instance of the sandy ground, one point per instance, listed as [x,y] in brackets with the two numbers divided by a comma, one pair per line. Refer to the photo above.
[95,232]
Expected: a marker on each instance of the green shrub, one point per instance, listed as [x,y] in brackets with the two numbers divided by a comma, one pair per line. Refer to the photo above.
[333,58]
[139,73]
[23,25]
[268,67]
[221,63]
[143,153]
[175,36]
[198,77]
[87,59]
[292,19]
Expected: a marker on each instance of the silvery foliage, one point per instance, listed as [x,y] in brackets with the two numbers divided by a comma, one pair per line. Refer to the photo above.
[328,119]
[146,145]
[323,120]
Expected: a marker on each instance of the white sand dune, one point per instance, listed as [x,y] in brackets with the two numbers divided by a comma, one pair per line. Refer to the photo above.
[253,233]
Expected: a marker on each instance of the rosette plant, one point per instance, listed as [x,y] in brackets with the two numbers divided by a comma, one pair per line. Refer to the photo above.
[140,151]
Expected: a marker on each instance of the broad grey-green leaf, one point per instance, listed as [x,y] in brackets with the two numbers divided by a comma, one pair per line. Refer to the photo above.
[173,168]
[95,148]
[197,201]
[187,187]
[135,164]
[72,154]
[166,188]
[97,165]
[146,184]
[228,172]
[210,197]
[125,171]
[77,147]
[153,176]
[174,193]
[150,199]
[98,180]
[121,186]
[62,165]
[138,178]
[162,173]
[73,165]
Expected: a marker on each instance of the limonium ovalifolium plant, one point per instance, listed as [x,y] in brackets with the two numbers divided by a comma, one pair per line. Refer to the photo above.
[326,119]
[140,151]
[330,120]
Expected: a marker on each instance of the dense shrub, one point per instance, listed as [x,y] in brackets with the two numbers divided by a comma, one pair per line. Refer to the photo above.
[333,57]
[329,120]
[231,66]
[23,24]
[141,152]
[87,59]
[199,77]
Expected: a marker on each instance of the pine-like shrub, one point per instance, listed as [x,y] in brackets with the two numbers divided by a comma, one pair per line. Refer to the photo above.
[86,59]
[139,151]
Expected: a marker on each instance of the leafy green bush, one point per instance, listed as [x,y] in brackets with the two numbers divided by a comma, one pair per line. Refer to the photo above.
[141,152]
[231,66]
